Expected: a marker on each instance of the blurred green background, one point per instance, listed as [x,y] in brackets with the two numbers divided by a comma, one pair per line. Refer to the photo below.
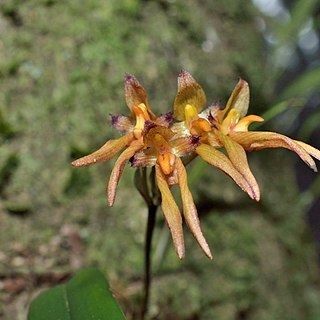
[61,75]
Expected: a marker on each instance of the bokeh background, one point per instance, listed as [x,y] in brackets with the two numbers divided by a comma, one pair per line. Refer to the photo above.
[61,75]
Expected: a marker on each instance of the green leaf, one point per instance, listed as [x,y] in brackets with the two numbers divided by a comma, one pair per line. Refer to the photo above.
[86,296]
[278,108]
[303,85]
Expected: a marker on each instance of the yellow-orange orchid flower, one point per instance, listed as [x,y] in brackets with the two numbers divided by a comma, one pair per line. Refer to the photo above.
[188,107]
[152,141]
[163,150]
[231,132]
[148,142]
[137,101]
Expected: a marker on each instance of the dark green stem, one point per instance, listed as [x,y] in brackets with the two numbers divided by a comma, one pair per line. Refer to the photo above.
[152,210]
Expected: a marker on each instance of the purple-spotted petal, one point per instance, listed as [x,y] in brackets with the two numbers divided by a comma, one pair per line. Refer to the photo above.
[122,123]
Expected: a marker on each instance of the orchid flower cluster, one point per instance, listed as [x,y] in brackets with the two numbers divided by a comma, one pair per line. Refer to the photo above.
[167,142]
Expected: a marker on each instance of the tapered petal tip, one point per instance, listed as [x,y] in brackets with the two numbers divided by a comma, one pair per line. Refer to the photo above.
[180,253]
[205,248]
[75,163]
[207,251]
[129,77]
[110,202]
[243,83]
[210,256]
[185,79]
[132,87]
[84,161]
[184,73]
[256,196]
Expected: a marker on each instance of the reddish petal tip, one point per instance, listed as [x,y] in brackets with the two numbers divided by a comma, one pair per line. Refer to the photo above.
[253,194]
[183,73]
[130,79]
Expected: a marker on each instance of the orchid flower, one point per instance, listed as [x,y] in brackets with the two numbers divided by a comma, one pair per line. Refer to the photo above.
[147,141]
[168,142]
[231,131]
[132,127]
[189,107]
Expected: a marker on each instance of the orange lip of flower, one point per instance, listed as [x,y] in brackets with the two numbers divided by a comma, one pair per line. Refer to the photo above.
[165,158]
[197,126]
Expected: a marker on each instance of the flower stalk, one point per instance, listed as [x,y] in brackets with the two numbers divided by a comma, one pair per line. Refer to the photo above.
[152,211]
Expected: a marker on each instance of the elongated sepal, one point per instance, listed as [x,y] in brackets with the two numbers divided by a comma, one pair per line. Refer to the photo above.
[219,160]
[189,209]
[108,151]
[171,213]
[238,157]
[118,169]
[257,140]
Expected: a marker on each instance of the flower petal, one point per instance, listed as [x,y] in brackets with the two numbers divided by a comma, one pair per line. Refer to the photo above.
[135,94]
[189,209]
[122,123]
[311,150]
[257,140]
[105,153]
[171,212]
[183,146]
[238,100]
[245,122]
[189,92]
[219,160]
[118,169]
[144,158]
[238,157]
